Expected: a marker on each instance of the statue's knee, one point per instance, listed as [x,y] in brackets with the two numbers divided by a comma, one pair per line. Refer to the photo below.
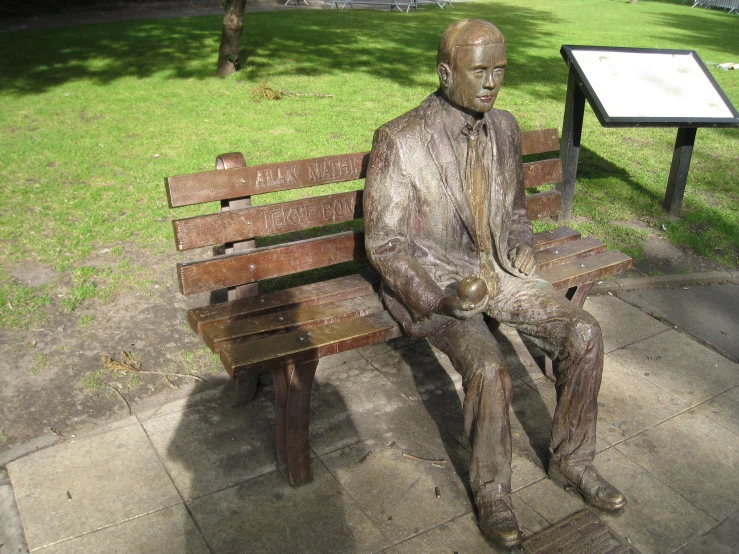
[496,373]
[585,334]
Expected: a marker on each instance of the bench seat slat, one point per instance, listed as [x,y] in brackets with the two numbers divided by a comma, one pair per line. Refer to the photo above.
[543,204]
[569,251]
[216,335]
[297,346]
[272,261]
[305,295]
[261,221]
[553,237]
[541,173]
[587,269]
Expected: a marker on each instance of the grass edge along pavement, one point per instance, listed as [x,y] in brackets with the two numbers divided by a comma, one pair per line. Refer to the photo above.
[96,115]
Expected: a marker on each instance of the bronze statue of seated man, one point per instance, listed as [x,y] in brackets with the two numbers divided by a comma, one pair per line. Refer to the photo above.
[446,227]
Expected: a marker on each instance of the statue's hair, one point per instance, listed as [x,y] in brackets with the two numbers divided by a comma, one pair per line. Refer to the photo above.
[467,32]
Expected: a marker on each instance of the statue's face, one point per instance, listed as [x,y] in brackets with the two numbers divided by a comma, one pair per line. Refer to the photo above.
[475,76]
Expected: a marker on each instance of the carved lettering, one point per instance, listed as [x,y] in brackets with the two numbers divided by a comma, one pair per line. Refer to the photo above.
[260,181]
[313,173]
[293,216]
[328,211]
[278,218]
[292,174]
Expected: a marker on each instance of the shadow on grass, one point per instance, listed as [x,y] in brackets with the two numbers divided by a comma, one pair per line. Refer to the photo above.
[701,226]
[397,47]
[703,29]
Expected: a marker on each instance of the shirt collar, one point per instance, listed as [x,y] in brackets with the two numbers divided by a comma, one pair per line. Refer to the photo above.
[458,122]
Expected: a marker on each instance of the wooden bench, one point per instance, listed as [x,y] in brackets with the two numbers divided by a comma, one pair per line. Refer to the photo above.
[287,331]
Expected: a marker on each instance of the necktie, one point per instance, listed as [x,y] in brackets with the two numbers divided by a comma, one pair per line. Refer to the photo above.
[475,191]
[478,198]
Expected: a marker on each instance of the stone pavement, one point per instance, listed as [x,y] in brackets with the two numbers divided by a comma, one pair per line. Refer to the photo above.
[197,475]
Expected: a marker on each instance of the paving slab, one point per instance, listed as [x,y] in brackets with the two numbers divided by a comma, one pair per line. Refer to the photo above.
[210,446]
[399,493]
[708,313]
[353,402]
[267,515]
[681,366]
[723,409]
[525,360]
[621,323]
[463,534]
[629,404]
[551,501]
[167,531]
[657,519]
[84,485]
[722,539]
[11,529]
[694,456]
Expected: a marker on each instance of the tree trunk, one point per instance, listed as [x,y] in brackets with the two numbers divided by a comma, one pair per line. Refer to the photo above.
[233,23]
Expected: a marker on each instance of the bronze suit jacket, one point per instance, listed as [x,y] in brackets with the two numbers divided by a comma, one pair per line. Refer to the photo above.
[418,224]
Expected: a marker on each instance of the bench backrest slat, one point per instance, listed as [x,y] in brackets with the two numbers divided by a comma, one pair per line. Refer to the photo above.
[539,142]
[236,225]
[544,172]
[261,221]
[269,262]
[209,186]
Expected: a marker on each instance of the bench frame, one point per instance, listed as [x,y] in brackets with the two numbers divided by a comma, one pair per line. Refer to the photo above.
[286,332]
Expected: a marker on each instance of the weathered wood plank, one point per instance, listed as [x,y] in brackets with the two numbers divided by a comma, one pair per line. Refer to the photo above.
[265,263]
[272,219]
[304,317]
[306,295]
[553,237]
[587,269]
[539,141]
[543,204]
[544,172]
[297,346]
[195,188]
[569,251]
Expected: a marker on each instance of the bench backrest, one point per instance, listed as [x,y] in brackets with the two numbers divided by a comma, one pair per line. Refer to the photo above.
[235,183]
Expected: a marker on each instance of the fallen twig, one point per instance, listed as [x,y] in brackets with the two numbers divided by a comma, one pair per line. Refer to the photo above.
[418,459]
[135,367]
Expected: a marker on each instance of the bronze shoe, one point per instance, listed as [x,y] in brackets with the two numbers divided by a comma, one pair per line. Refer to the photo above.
[593,488]
[497,521]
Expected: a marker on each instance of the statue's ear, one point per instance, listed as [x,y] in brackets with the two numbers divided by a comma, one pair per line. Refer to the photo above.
[445,75]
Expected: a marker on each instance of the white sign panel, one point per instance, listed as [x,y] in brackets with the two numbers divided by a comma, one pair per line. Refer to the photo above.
[651,85]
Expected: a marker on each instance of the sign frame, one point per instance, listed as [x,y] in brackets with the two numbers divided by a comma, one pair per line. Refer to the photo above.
[568,53]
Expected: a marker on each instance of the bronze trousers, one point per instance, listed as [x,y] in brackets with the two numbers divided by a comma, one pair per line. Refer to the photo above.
[568,334]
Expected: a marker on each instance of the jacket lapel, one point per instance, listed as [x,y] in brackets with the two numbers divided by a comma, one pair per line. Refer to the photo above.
[440,147]
[499,209]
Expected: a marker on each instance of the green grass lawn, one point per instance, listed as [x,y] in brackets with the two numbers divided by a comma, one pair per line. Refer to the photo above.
[92,118]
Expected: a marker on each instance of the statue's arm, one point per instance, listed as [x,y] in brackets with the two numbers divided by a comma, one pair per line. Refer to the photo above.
[520,235]
[387,218]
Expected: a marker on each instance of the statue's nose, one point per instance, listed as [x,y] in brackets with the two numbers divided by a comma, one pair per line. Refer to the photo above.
[489,82]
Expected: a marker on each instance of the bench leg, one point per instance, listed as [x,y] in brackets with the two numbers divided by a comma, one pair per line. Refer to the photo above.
[244,390]
[577,296]
[292,412]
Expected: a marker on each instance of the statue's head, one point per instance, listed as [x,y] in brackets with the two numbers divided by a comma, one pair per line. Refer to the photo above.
[470,64]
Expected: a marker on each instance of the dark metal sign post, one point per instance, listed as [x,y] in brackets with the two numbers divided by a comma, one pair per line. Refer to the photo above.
[638,87]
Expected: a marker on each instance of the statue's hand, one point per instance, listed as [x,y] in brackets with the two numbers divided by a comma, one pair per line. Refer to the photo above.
[453,306]
[522,258]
